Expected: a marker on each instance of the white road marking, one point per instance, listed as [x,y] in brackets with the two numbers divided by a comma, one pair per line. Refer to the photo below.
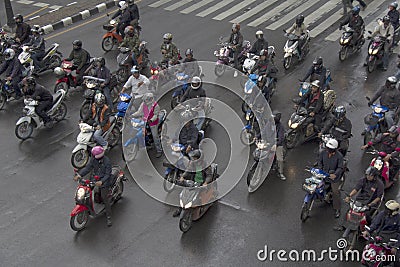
[159,3]
[271,13]
[26,2]
[196,6]
[253,11]
[214,8]
[40,4]
[177,5]
[233,10]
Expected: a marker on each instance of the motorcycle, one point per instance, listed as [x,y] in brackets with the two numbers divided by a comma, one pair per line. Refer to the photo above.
[383,166]
[377,250]
[89,201]
[111,38]
[317,187]
[51,60]
[290,49]
[124,60]
[193,199]
[25,125]
[173,170]
[81,152]
[6,92]
[141,136]
[262,157]
[248,133]
[345,42]
[65,78]
[182,84]
[122,107]
[375,122]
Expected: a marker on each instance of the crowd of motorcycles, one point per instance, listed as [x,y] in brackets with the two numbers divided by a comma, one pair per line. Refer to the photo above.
[316,186]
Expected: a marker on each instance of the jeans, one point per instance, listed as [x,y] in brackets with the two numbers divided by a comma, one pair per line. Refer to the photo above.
[42,108]
[99,139]
[104,191]
[336,194]
[346,4]
[35,57]
[107,94]
[200,119]
[156,138]
[389,117]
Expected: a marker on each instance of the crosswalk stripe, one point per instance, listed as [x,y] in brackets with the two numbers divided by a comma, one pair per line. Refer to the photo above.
[196,6]
[214,8]
[233,10]
[310,19]
[253,11]
[159,3]
[291,15]
[177,4]
[371,8]
[325,24]
[271,13]
[371,26]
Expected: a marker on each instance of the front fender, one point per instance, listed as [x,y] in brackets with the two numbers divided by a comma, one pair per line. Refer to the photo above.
[79,147]
[287,55]
[24,119]
[78,209]
[62,80]
[308,198]
[184,212]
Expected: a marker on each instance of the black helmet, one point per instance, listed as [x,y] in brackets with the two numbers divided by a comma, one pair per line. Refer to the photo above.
[277,116]
[339,112]
[299,19]
[19,18]
[318,61]
[77,43]
[386,19]
[189,52]
[102,61]
[195,154]
[372,171]
[30,81]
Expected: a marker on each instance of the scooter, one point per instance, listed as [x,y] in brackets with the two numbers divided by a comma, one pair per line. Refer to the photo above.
[263,157]
[6,92]
[65,79]
[111,38]
[81,152]
[89,201]
[290,49]
[52,59]
[195,200]
[375,122]
[122,107]
[173,170]
[25,125]
[345,42]
[124,60]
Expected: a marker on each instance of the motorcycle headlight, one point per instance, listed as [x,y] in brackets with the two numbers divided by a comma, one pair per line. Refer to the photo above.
[247,116]
[289,50]
[378,109]
[294,125]
[176,147]
[59,71]
[155,72]
[375,51]
[261,145]
[345,41]
[113,22]
[188,205]
[80,193]
[90,85]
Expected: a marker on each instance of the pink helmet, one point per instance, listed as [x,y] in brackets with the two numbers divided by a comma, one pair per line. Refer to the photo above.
[98,152]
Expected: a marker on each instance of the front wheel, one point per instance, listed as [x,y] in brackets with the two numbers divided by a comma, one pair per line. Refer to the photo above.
[60,113]
[107,44]
[287,61]
[219,70]
[85,111]
[55,61]
[80,158]
[247,137]
[186,221]
[174,102]
[291,140]
[79,221]
[61,85]
[343,53]
[371,65]
[254,176]
[130,152]
[3,100]
[122,74]
[24,130]
[169,182]
[113,137]
[305,211]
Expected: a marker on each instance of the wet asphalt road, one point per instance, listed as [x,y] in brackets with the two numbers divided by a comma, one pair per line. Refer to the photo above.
[36,189]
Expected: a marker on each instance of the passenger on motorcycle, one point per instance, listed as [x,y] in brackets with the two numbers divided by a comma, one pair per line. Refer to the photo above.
[387,223]
[131,41]
[101,166]
[196,91]
[100,119]
[102,72]
[37,45]
[355,21]
[331,161]
[22,31]
[13,70]
[125,17]
[390,97]
[197,171]
[37,92]
[80,58]
[394,15]
[138,83]
[317,72]
[236,42]
[191,67]
[314,100]
[260,44]
[263,65]
[149,110]
[299,29]
[340,128]
[388,140]
[169,50]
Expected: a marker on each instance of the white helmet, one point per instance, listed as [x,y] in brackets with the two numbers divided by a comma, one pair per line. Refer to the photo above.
[148,97]
[332,144]
[259,34]
[393,206]
[123,5]
[9,54]
[196,83]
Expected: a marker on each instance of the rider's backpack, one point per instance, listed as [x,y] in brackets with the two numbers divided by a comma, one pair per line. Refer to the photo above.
[329,99]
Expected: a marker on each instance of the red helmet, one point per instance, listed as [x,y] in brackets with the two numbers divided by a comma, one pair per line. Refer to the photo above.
[98,152]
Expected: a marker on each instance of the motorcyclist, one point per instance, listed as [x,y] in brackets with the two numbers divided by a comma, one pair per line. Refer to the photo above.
[263,65]
[191,67]
[369,191]
[37,45]
[236,41]
[149,110]
[394,16]
[196,91]
[80,58]
[101,166]
[22,31]
[355,21]
[300,30]
[280,140]
[314,100]
[133,8]
[138,83]
[131,41]
[386,31]
[317,72]
[188,136]
[13,70]
[169,50]
[102,72]
[331,161]
[37,92]
[389,97]
[340,128]
[388,140]
[260,44]
[100,119]
[125,17]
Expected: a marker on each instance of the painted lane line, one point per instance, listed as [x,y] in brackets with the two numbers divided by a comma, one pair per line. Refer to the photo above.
[35,12]
[159,3]
[25,2]
[73,3]
[55,7]
[40,4]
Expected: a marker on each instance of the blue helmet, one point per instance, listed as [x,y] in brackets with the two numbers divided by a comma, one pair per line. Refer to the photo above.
[356,10]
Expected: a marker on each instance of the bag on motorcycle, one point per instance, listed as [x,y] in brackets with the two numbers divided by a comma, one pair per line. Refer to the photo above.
[371,120]
[329,99]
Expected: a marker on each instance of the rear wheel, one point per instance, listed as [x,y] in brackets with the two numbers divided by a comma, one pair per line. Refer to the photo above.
[305,211]
[24,130]
[60,113]
[169,182]
[219,70]
[79,221]
[85,111]
[80,158]
[113,137]
[287,61]
[107,44]
[122,74]
[371,65]
[247,137]
[55,61]
[343,53]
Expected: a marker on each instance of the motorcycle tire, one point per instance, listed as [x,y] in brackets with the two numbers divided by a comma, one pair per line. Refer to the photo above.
[122,75]
[287,61]
[61,85]
[3,100]
[291,140]
[174,102]
[305,211]
[169,181]
[219,70]
[121,190]
[247,137]
[114,137]
[54,62]
[107,44]
[85,111]
[78,222]
[245,107]
[371,65]
[251,174]
[60,113]
[343,53]
[115,94]
[80,158]
[130,152]
[24,130]
[186,221]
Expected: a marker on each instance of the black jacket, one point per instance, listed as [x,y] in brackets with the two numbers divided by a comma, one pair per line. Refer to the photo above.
[101,167]
[190,94]
[356,23]
[333,164]
[37,43]
[80,57]
[41,94]
[237,40]
[12,68]
[133,8]
[394,18]
[125,16]
[188,136]
[316,74]
[369,189]
[103,73]
[388,144]
[262,67]
[22,32]
[335,127]
[258,46]
[389,97]
[315,102]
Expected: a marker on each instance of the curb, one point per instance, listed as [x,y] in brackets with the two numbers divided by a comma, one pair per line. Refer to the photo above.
[84,14]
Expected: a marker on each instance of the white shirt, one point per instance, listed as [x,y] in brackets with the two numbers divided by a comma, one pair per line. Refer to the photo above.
[132,83]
